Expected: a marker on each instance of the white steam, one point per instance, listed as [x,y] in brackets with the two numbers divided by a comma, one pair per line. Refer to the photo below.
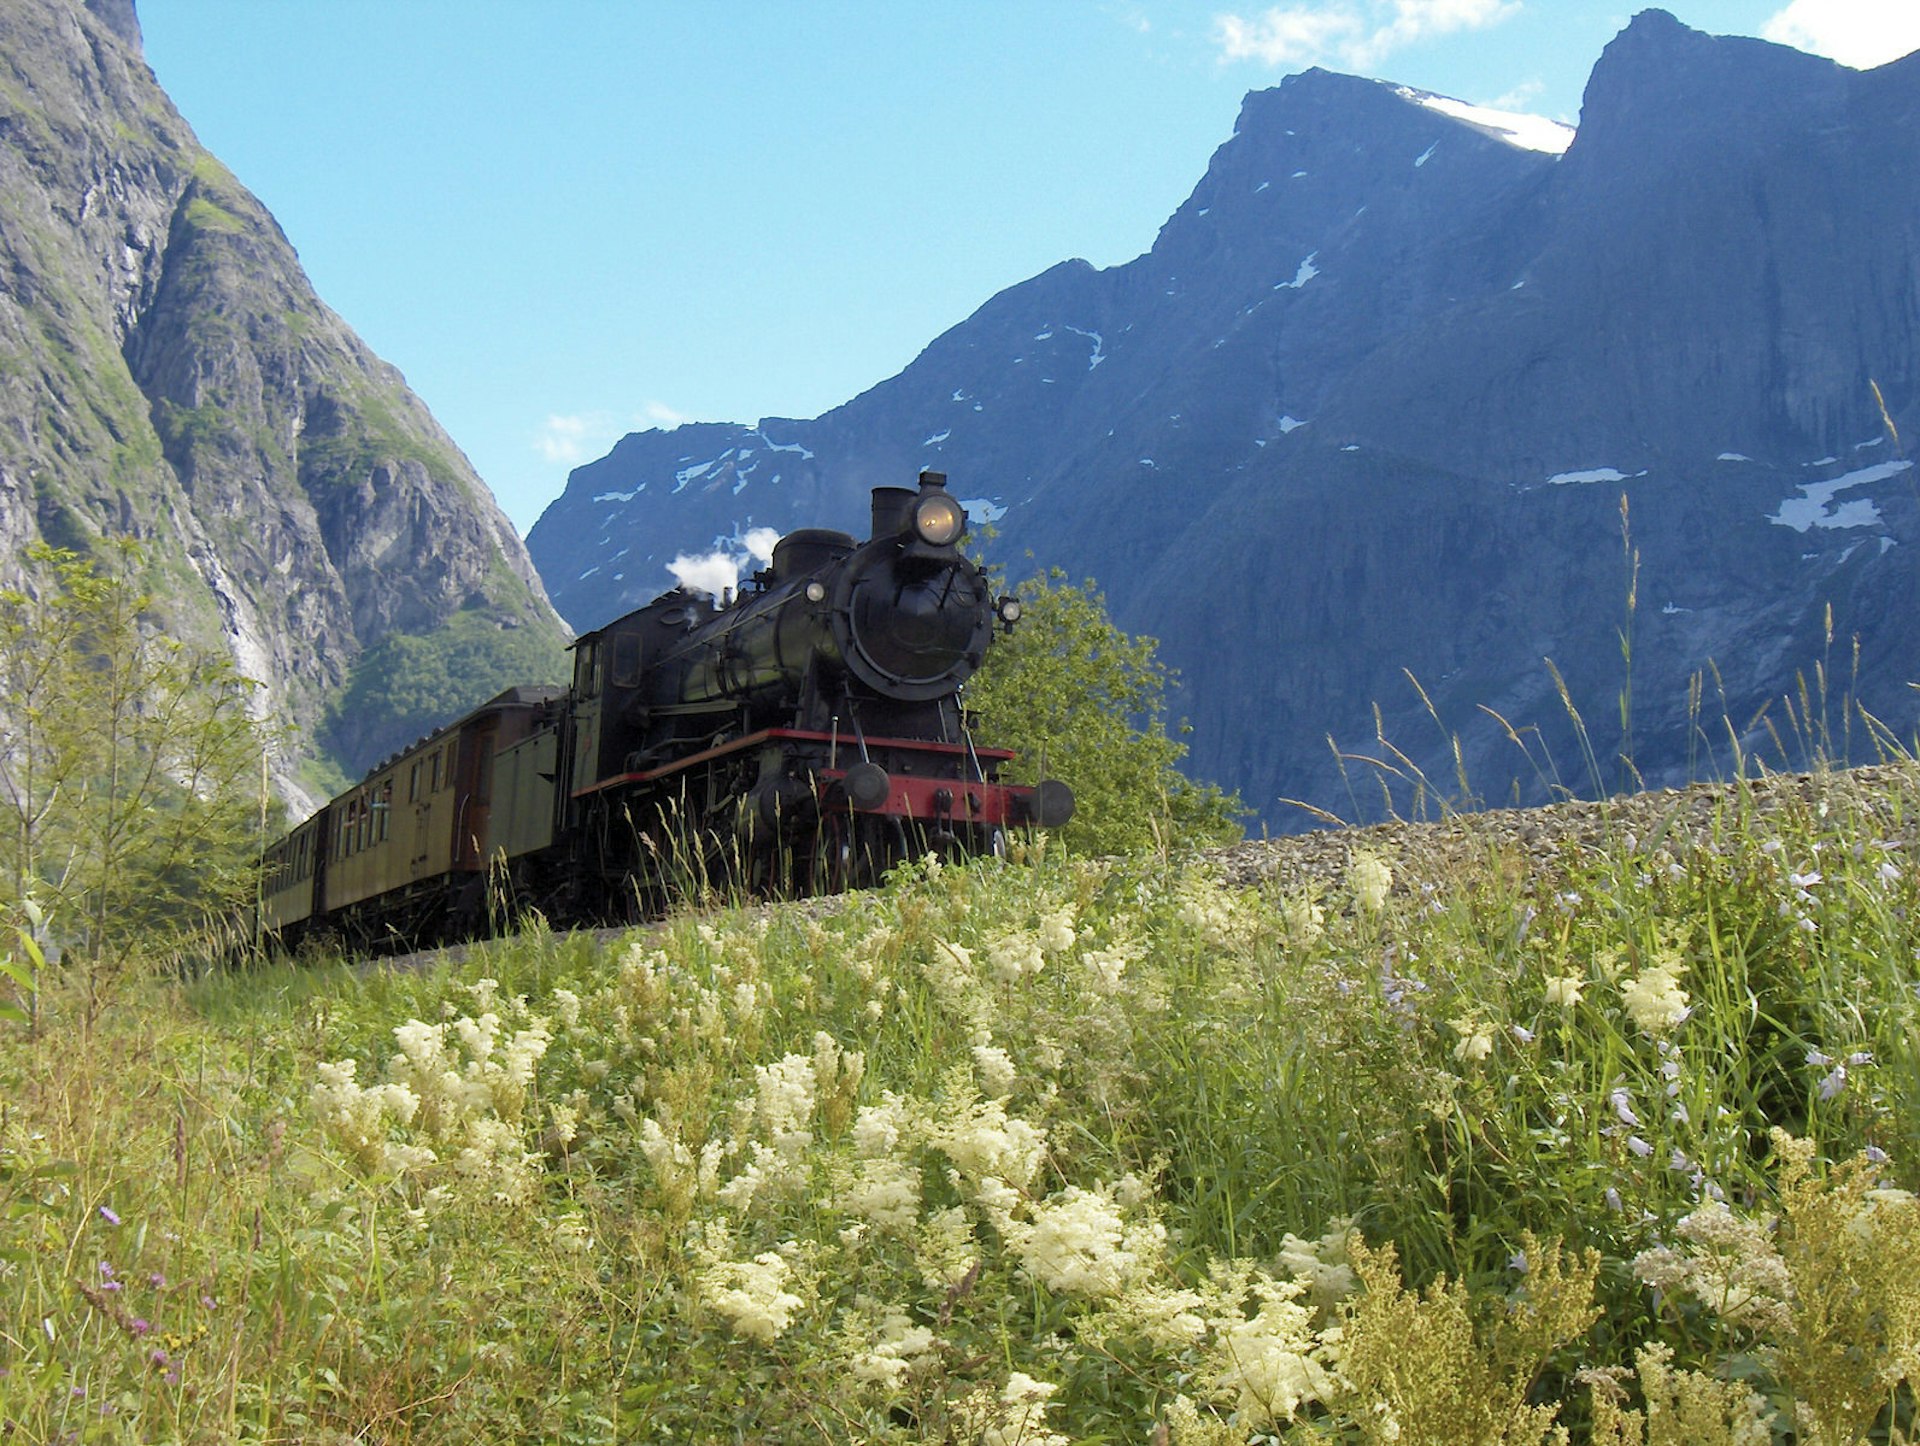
[718,572]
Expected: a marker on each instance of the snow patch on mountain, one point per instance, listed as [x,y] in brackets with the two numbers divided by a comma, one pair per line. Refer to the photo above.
[1809,510]
[1099,352]
[1306,272]
[1527,132]
[982,509]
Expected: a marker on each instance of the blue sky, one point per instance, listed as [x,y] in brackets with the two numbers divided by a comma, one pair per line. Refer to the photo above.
[569,219]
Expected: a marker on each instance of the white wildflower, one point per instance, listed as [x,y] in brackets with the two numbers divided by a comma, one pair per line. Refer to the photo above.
[1654,998]
[1268,1363]
[884,1191]
[1370,879]
[1023,1415]
[1303,919]
[1071,1243]
[1476,1039]
[1015,957]
[901,1346]
[1056,931]
[752,1294]
[995,1068]
[1564,992]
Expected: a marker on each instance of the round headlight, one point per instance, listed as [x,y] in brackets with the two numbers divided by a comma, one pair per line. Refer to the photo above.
[816,592]
[1009,610]
[938,520]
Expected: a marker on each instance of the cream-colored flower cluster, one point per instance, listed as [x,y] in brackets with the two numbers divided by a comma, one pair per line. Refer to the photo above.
[1729,1263]
[1653,997]
[459,1089]
[751,1294]
[1370,880]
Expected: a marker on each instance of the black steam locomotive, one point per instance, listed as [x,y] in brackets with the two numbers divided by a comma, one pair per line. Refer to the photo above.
[804,737]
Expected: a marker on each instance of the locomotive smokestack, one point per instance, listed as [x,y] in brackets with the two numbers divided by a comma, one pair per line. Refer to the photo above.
[892,511]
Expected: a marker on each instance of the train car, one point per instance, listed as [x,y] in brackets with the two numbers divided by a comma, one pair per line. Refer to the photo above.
[405,852]
[805,735]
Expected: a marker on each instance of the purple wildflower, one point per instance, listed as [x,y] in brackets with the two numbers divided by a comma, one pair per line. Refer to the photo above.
[107,1214]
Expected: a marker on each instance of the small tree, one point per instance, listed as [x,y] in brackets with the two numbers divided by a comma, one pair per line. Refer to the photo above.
[128,763]
[1084,702]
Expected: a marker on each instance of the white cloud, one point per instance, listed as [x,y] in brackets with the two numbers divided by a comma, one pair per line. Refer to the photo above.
[1353,34]
[1284,37]
[1520,98]
[568,439]
[659,414]
[1859,33]
[571,440]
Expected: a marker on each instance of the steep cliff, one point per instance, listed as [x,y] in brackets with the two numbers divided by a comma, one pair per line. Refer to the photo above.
[1370,408]
[167,373]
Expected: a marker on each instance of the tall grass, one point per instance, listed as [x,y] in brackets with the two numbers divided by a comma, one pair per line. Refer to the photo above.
[1053,1149]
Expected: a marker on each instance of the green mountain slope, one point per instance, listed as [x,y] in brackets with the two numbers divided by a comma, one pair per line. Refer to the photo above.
[167,372]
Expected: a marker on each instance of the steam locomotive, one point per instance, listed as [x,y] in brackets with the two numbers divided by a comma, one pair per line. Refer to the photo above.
[803,737]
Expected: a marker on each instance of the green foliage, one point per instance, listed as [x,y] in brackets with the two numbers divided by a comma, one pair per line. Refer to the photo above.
[130,788]
[204,214]
[1424,1360]
[1084,702]
[408,684]
[1020,1152]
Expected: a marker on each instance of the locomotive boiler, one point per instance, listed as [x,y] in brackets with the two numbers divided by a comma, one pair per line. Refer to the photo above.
[805,735]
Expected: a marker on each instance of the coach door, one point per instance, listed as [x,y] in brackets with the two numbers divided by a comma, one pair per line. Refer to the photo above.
[475,800]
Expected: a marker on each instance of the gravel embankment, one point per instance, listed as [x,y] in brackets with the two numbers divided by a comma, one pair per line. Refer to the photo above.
[1539,840]
[1524,841]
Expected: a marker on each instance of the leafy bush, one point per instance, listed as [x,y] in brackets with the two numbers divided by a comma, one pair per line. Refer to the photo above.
[1084,702]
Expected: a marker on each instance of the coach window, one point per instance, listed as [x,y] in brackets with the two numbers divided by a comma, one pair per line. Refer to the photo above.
[413,782]
[433,772]
[386,809]
[626,660]
[586,670]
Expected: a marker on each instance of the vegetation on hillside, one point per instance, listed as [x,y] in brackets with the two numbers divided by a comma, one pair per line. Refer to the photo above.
[131,784]
[1085,702]
[408,684]
[1053,1149]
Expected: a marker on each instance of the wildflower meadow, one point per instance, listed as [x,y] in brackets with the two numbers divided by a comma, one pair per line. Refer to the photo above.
[1026,1152]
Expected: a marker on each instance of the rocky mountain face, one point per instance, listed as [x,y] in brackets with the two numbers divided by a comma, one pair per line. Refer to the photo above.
[166,372]
[1429,444]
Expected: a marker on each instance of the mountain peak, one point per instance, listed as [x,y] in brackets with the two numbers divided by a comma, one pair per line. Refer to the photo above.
[1658,69]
